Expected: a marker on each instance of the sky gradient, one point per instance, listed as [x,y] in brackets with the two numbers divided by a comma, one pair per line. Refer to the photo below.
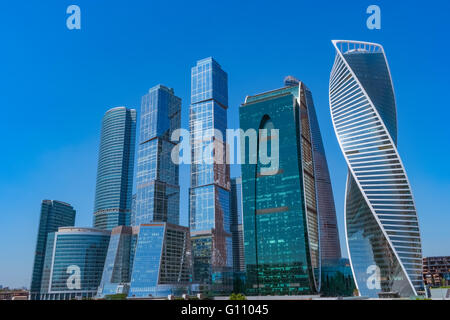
[58,83]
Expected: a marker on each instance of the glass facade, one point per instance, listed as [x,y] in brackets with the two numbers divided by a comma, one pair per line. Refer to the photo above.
[330,247]
[281,234]
[209,212]
[73,263]
[114,186]
[157,188]
[133,210]
[382,229]
[116,275]
[337,278]
[237,230]
[54,214]
[162,262]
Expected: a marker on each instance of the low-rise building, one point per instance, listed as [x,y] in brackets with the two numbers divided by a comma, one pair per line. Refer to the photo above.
[162,262]
[119,262]
[13,294]
[436,271]
[73,263]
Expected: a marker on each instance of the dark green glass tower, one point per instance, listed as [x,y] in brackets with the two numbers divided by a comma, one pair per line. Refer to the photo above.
[281,222]
[54,214]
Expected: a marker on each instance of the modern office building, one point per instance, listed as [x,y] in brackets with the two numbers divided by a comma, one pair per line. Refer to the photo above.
[209,194]
[280,210]
[157,188]
[133,210]
[114,186]
[73,263]
[382,229]
[54,214]
[152,257]
[116,275]
[330,247]
[237,229]
[337,278]
[162,262]
[436,271]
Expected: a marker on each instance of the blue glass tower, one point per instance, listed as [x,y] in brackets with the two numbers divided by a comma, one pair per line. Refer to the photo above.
[209,212]
[382,229]
[161,253]
[54,214]
[114,186]
[157,188]
[73,263]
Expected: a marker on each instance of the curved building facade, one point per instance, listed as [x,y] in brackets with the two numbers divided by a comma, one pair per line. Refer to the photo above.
[330,247]
[73,263]
[113,193]
[280,202]
[382,229]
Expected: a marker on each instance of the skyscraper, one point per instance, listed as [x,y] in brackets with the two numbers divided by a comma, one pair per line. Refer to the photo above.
[209,213]
[113,191]
[330,248]
[382,230]
[281,223]
[161,254]
[54,214]
[157,188]
[237,230]
[73,263]
[162,262]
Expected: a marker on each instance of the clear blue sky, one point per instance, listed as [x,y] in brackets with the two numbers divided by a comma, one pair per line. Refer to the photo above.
[56,85]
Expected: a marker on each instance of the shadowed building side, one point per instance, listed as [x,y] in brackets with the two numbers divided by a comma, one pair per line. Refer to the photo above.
[330,247]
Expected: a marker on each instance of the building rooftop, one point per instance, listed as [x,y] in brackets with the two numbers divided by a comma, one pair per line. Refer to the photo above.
[82,230]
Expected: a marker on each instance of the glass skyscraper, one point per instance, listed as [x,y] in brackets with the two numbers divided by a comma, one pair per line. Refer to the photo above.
[116,275]
[113,191]
[280,210]
[209,195]
[73,263]
[330,247]
[54,214]
[162,262]
[237,230]
[160,249]
[382,230]
[133,210]
[157,188]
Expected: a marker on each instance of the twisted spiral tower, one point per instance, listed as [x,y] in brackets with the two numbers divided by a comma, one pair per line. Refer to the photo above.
[382,230]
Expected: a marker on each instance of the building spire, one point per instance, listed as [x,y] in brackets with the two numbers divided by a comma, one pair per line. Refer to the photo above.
[291,81]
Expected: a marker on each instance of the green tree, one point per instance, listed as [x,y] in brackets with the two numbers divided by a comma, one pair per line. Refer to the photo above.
[118,296]
[237,296]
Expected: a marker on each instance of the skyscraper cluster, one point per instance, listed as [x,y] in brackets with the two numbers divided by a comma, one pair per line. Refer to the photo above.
[272,231]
